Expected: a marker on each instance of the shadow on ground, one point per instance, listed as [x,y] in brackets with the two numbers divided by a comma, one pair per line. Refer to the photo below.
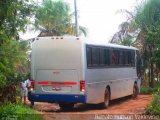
[86,107]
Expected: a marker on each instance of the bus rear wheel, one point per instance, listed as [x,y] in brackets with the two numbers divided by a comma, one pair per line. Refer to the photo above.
[66,105]
[105,104]
[135,91]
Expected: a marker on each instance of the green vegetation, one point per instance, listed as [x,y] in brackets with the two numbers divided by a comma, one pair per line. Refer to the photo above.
[142,30]
[54,18]
[153,108]
[19,112]
[13,61]
[13,51]
[148,90]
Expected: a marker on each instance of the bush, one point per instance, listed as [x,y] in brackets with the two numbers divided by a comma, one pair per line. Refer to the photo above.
[19,112]
[13,66]
[148,90]
[153,108]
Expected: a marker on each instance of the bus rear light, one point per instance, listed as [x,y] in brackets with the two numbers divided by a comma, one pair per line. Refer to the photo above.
[32,84]
[82,85]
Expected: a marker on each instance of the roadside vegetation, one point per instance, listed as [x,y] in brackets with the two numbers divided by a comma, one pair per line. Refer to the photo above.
[148,90]
[13,58]
[18,112]
[142,30]
[153,108]
[54,18]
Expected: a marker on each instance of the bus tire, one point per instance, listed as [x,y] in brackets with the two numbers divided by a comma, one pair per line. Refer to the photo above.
[135,91]
[66,105]
[105,104]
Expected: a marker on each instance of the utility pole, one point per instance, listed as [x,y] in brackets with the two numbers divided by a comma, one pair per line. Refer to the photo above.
[76,18]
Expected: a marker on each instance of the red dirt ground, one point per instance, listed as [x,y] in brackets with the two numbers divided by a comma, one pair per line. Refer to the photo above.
[92,112]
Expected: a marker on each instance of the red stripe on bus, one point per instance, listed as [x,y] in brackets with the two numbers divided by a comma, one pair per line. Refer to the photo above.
[70,83]
[52,83]
[43,83]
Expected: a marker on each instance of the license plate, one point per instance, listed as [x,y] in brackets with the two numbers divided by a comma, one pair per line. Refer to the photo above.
[57,88]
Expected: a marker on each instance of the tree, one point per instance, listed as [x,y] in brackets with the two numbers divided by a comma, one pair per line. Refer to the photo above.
[13,57]
[14,16]
[148,20]
[144,25]
[124,35]
[54,18]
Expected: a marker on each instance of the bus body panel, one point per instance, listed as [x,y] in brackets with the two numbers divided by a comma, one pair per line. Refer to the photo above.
[119,79]
[52,98]
[56,73]
[57,81]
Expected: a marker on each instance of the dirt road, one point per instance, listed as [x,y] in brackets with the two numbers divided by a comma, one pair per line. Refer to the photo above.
[92,112]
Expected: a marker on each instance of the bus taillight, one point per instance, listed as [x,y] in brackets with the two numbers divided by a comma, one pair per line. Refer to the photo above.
[82,85]
[32,84]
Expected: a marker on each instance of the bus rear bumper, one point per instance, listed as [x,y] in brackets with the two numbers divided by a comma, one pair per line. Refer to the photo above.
[57,98]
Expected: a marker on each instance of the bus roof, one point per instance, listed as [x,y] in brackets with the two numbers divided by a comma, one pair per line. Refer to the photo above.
[111,45]
[97,43]
[89,42]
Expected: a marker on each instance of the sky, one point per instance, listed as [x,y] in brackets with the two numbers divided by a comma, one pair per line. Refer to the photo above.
[100,17]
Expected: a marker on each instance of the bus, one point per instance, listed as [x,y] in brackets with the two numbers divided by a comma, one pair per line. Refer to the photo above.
[69,70]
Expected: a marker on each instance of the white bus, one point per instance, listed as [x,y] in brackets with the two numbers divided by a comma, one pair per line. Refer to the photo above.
[69,70]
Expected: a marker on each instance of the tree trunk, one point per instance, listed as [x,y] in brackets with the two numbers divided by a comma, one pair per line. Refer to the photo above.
[152,76]
[149,76]
[151,69]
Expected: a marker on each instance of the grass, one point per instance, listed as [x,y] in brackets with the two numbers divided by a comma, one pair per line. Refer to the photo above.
[18,112]
[153,108]
[148,90]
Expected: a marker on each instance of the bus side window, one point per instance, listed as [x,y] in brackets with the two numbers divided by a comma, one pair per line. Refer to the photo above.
[126,58]
[121,57]
[102,62]
[89,56]
[115,57]
[106,57]
[129,58]
[95,56]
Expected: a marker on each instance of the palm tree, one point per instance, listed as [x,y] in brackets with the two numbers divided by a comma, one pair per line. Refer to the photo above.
[122,33]
[148,21]
[144,25]
[54,18]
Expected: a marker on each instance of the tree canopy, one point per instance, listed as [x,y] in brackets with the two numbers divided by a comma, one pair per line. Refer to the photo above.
[13,57]
[55,18]
[143,24]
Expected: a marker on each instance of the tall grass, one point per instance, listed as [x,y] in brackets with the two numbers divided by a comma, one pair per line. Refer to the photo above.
[154,107]
[18,112]
[148,90]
